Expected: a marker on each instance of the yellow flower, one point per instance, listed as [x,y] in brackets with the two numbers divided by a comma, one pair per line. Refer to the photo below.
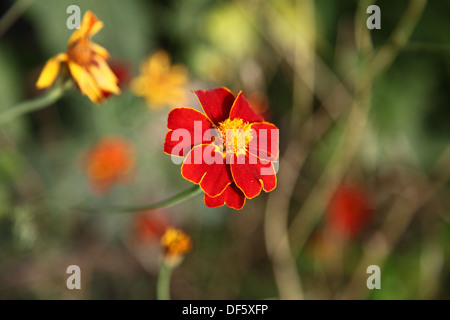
[86,62]
[176,242]
[160,82]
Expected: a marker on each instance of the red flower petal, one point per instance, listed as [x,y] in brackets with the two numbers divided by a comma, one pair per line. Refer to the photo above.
[251,178]
[212,177]
[216,103]
[242,109]
[195,122]
[232,197]
[265,140]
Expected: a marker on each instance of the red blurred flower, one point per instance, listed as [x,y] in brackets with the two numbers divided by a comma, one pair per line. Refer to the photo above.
[109,162]
[150,227]
[349,210]
[229,151]
[122,70]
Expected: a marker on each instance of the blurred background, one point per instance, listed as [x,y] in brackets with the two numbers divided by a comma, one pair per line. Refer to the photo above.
[363,171]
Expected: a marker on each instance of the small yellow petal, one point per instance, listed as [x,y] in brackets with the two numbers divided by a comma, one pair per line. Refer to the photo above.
[99,50]
[50,71]
[89,26]
[94,25]
[86,82]
[104,77]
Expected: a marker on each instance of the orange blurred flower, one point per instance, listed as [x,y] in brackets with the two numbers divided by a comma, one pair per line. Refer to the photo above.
[86,62]
[175,242]
[160,82]
[349,210]
[111,161]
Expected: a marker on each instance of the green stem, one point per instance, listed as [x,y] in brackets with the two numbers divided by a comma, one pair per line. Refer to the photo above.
[182,196]
[163,285]
[38,103]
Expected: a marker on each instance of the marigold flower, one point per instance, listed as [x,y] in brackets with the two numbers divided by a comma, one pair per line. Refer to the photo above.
[349,210]
[111,161]
[175,242]
[160,82]
[86,62]
[229,151]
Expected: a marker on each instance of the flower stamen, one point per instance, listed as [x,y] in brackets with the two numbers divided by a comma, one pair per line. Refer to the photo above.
[81,52]
[235,136]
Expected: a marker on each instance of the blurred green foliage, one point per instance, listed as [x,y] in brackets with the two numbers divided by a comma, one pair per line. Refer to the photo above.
[243,45]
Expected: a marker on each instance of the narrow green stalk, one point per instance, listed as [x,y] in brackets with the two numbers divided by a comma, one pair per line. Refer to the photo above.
[163,285]
[182,196]
[38,103]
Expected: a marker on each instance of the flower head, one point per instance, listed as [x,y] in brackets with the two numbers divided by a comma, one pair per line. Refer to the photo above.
[229,151]
[349,210]
[109,162]
[86,62]
[175,242]
[160,82]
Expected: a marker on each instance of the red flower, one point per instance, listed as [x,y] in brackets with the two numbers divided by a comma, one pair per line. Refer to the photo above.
[349,210]
[229,151]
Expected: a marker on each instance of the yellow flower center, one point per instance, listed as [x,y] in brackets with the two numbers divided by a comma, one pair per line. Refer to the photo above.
[81,52]
[235,136]
[176,242]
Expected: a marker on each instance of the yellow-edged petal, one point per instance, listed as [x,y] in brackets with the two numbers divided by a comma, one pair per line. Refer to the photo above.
[50,71]
[89,26]
[86,82]
[103,75]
